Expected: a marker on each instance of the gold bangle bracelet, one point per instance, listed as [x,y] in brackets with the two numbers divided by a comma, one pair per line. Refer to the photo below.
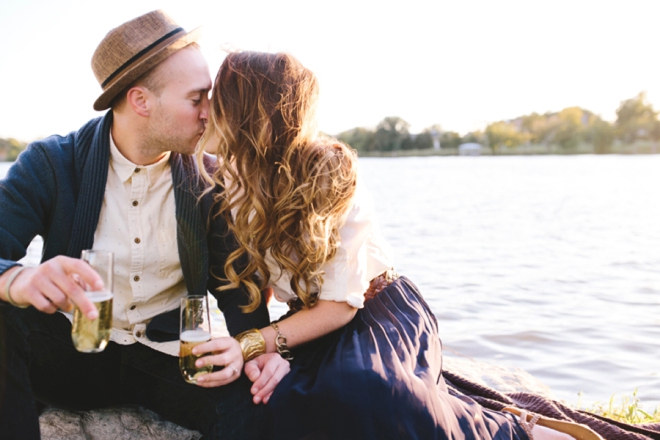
[252,344]
[11,279]
[280,343]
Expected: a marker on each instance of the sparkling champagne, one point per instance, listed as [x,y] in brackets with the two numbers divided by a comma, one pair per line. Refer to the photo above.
[189,340]
[92,336]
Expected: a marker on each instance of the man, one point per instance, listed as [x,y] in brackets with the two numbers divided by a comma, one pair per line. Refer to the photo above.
[124,183]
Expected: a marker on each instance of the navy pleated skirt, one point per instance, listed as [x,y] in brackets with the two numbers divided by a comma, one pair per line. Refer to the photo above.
[379,377]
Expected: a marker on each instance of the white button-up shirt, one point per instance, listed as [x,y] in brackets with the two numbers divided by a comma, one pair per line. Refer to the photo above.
[138,224]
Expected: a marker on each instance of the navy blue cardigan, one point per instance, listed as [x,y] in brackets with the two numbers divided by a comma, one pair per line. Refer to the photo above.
[55,189]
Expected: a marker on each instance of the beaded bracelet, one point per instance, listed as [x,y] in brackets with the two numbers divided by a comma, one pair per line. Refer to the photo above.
[280,343]
[252,344]
[11,279]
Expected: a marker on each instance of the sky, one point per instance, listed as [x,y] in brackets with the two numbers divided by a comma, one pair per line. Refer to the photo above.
[461,64]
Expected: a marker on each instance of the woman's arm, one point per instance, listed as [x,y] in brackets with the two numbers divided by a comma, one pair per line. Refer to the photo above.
[267,370]
[310,324]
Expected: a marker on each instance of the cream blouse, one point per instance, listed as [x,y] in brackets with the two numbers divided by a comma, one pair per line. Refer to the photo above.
[362,255]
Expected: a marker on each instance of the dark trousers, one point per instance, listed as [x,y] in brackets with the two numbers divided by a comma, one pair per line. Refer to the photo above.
[39,363]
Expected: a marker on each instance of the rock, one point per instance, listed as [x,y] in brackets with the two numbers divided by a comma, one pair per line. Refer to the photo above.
[125,423]
[133,422]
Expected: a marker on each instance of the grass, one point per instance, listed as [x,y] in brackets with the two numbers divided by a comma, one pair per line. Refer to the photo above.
[627,410]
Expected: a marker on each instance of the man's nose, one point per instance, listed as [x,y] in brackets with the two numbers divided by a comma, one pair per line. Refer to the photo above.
[204,112]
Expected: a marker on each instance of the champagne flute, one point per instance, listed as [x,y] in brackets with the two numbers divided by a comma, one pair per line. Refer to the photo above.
[195,330]
[92,336]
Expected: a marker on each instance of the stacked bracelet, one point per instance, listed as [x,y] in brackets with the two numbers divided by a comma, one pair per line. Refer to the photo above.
[252,344]
[280,343]
[11,279]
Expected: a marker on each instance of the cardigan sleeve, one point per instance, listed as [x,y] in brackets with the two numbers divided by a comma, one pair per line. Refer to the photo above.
[221,243]
[26,195]
[230,301]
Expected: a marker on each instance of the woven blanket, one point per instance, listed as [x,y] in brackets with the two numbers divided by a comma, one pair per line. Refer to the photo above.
[492,399]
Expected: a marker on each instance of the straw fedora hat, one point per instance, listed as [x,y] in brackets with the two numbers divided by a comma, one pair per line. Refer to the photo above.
[130,50]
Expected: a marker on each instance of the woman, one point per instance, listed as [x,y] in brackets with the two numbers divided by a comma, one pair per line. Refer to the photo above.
[365,354]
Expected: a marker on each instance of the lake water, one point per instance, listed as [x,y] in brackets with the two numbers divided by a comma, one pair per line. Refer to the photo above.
[547,263]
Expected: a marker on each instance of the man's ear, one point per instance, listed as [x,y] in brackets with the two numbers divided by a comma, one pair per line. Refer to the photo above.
[139,99]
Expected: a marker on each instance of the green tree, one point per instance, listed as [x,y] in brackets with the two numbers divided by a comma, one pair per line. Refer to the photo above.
[601,135]
[473,136]
[504,135]
[422,141]
[10,149]
[359,138]
[654,132]
[635,119]
[540,128]
[570,129]
[391,133]
[450,139]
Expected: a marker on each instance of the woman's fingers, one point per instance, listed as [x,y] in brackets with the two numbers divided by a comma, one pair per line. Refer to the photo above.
[270,381]
[266,371]
[217,345]
[222,351]
[218,378]
[226,353]
[219,360]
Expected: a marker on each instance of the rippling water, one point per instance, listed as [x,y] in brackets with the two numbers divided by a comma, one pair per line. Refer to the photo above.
[547,263]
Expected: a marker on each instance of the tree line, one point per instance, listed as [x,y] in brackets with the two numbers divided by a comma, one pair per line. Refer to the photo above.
[10,149]
[636,121]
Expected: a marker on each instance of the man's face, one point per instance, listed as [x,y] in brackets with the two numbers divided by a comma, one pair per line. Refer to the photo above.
[181,110]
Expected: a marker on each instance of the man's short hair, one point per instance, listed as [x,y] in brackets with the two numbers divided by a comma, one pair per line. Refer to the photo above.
[151,80]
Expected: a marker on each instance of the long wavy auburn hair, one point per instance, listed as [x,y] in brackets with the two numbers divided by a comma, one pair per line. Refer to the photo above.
[285,189]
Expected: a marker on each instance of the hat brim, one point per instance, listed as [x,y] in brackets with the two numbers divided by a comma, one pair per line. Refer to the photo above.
[140,66]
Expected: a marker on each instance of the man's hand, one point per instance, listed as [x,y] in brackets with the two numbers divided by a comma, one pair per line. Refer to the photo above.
[52,285]
[266,371]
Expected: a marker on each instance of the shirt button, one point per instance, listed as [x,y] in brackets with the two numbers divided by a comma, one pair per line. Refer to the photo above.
[136,278]
[133,307]
[138,334]
[137,170]
[135,203]
[137,241]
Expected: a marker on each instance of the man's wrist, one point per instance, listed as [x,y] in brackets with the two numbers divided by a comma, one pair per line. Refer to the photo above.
[10,276]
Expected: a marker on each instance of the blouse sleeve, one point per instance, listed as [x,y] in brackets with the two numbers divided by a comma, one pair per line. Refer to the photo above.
[362,254]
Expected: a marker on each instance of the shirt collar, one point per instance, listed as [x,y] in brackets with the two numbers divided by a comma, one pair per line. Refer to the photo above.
[125,168]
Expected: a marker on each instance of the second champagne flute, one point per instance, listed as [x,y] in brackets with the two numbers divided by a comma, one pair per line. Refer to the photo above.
[195,330]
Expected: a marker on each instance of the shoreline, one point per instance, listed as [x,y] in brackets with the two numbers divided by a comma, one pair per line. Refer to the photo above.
[532,150]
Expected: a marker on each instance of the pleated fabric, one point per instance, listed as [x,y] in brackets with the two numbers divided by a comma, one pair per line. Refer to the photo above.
[379,377]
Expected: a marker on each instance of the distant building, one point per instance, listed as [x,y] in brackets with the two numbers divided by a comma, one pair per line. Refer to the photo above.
[470,149]
[435,135]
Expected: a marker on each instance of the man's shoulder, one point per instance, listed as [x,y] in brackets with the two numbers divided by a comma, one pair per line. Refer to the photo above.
[56,145]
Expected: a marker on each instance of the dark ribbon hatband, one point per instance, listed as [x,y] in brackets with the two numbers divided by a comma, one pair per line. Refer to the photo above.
[139,54]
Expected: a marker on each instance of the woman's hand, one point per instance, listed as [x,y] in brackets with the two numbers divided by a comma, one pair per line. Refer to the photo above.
[222,352]
[266,371]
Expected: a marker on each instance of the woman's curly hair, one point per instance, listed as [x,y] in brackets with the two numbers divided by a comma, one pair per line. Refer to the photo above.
[286,189]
